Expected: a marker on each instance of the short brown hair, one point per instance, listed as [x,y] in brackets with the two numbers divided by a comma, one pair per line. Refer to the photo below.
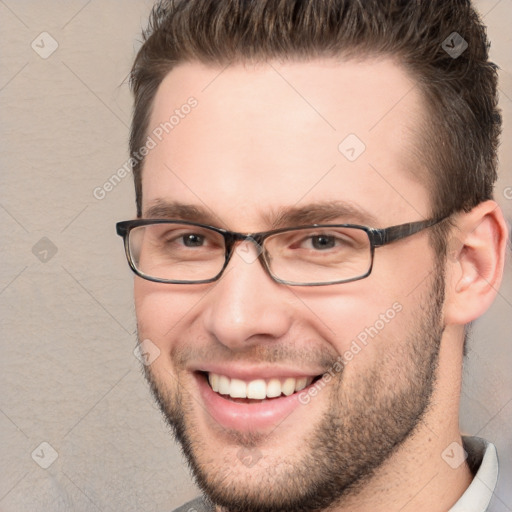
[460,137]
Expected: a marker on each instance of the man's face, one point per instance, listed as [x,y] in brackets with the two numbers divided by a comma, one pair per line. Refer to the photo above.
[267,143]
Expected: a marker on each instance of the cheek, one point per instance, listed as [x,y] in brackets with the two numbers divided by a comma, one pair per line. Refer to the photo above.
[365,328]
[405,265]
[347,310]
[371,316]
[163,311]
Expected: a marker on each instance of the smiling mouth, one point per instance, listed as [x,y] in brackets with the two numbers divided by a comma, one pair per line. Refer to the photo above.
[258,390]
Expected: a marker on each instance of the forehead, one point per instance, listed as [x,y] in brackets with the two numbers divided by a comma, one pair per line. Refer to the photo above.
[272,135]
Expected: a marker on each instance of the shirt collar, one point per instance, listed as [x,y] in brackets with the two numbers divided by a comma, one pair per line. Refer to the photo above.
[479,493]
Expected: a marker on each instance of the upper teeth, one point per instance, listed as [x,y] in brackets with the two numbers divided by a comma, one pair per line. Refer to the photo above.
[257,389]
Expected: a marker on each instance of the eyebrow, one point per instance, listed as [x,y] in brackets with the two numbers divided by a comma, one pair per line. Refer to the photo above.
[313,213]
[318,213]
[161,209]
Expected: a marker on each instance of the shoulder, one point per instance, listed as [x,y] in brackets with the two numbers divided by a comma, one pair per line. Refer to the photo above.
[197,505]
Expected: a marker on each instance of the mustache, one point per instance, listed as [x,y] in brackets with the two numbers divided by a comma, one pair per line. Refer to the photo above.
[201,351]
[257,355]
[300,353]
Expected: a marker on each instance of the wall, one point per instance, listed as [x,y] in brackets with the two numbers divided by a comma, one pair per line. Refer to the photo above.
[69,378]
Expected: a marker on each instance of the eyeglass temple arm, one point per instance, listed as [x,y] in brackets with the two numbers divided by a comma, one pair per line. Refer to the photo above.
[121,229]
[393,233]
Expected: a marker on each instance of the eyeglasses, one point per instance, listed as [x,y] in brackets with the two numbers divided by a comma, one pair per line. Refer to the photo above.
[179,252]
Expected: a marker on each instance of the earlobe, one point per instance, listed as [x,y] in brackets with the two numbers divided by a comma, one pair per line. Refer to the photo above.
[475,263]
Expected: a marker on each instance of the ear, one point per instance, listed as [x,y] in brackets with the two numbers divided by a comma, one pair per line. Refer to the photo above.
[475,262]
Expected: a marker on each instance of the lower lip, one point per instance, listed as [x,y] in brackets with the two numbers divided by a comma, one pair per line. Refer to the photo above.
[258,416]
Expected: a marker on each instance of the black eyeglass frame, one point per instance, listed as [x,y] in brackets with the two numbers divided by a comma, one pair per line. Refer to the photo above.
[378,237]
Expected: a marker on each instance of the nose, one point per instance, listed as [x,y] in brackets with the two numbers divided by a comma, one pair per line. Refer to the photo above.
[246,306]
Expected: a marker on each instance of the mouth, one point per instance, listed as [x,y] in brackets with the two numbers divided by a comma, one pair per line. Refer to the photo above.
[258,404]
[256,390]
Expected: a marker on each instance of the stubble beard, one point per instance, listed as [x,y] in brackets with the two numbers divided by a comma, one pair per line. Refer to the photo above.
[367,420]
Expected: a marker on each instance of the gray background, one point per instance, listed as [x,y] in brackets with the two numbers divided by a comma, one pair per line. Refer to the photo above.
[68,374]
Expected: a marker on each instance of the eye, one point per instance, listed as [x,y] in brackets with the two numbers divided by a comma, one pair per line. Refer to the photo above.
[323,242]
[316,241]
[193,240]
